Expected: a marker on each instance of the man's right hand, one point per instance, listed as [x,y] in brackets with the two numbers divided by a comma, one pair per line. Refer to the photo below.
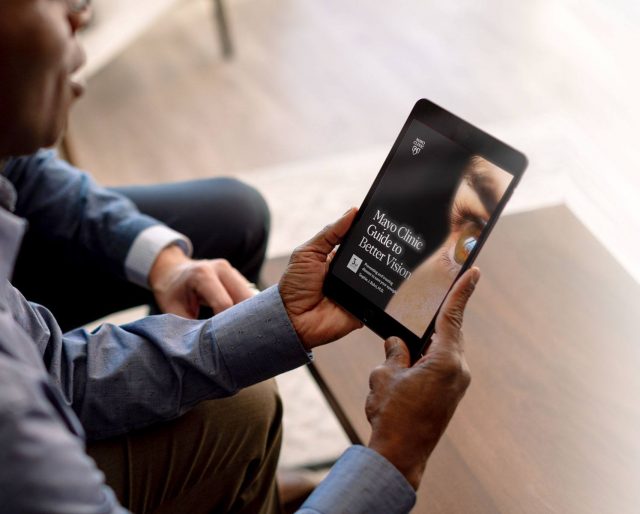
[409,408]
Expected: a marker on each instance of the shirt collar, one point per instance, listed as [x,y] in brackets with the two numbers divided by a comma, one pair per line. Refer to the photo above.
[12,230]
[8,195]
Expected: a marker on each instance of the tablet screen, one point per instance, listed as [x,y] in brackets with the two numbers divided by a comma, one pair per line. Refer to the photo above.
[428,211]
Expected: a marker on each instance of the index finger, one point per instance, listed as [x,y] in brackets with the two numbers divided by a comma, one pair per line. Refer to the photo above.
[236,285]
[214,294]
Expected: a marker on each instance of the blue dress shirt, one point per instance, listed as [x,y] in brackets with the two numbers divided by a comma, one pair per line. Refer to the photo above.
[58,389]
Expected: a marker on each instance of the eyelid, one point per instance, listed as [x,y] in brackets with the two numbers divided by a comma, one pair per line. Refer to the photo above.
[447,257]
[461,214]
[485,187]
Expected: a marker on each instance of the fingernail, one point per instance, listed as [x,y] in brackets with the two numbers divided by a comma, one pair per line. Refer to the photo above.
[348,211]
[475,276]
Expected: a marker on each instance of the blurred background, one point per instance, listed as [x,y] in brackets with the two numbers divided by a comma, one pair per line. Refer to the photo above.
[304,98]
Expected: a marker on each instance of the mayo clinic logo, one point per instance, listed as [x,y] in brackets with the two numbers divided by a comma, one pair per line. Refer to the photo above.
[418,145]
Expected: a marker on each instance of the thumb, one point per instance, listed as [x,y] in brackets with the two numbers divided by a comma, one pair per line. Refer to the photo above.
[449,321]
[397,353]
[331,235]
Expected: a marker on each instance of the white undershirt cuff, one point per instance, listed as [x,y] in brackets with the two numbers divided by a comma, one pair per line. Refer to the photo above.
[145,250]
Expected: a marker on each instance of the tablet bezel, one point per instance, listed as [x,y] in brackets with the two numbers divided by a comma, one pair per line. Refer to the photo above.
[477,142]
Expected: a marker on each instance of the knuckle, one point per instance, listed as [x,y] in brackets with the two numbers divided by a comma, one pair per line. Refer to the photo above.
[456,373]
[221,264]
[371,407]
[465,374]
[297,253]
[465,379]
[329,235]
[378,375]
[453,317]
[375,374]
[200,270]
[451,368]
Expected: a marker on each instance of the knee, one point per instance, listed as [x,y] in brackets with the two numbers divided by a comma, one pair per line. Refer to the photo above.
[243,221]
[238,447]
[261,407]
[250,210]
[270,412]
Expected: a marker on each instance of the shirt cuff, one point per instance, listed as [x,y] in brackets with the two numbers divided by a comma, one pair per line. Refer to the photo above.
[146,248]
[362,481]
[264,345]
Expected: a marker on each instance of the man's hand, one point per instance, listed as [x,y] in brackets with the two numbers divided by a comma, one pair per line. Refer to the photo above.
[181,285]
[316,319]
[410,407]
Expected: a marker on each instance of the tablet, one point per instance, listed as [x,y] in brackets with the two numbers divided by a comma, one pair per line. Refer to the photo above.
[427,215]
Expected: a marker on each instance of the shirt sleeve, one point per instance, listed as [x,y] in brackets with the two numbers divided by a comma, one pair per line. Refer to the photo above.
[63,203]
[122,378]
[45,468]
[361,482]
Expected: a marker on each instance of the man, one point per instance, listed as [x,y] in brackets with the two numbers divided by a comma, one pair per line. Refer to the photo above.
[140,384]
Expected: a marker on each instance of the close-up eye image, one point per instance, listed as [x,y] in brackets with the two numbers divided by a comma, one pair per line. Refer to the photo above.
[482,186]
[479,192]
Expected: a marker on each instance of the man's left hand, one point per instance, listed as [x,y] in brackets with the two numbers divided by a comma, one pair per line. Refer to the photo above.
[316,319]
[181,285]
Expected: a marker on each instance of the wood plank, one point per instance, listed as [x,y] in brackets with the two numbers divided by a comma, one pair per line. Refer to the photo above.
[117,24]
[312,79]
[551,421]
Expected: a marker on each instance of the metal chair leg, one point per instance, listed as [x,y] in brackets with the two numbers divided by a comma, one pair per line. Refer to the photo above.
[223,29]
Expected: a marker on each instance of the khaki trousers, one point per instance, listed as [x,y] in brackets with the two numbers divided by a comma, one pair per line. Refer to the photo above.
[220,457]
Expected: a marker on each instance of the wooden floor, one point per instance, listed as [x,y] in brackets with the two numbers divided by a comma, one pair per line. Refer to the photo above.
[312,79]
[550,423]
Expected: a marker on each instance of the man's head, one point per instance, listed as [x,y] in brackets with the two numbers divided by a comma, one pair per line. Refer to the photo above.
[38,55]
